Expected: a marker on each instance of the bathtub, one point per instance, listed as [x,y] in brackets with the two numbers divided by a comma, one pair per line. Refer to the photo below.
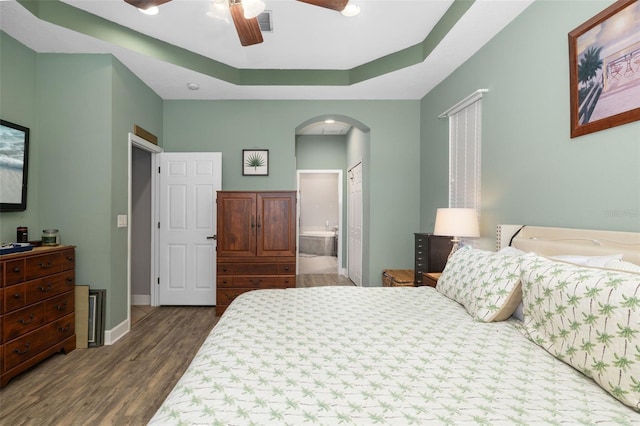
[320,243]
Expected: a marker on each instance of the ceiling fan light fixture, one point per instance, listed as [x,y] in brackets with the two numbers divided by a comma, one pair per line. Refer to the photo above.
[219,10]
[351,10]
[153,10]
[253,8]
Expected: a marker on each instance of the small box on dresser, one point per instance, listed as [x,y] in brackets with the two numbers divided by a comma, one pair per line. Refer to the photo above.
[37,307]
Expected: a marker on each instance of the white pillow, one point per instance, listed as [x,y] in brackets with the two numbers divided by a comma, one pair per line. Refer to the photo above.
[621,265]
[597,261]
[587,317]
[486,283]
[511,251]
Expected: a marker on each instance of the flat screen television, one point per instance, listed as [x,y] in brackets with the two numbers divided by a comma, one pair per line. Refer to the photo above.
[14,155]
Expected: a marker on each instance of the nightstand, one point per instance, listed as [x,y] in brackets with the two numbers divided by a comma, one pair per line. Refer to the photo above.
[430,278]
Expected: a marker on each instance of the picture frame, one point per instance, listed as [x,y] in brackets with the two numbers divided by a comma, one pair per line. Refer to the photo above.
[604,69]
[96,324]
[255,162]
[14,170]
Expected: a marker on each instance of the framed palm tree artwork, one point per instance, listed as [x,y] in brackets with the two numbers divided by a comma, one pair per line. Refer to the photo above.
[255,162]
[604,69]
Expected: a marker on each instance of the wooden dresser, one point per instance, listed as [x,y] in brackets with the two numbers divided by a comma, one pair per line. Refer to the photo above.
[256,249]
[37,307]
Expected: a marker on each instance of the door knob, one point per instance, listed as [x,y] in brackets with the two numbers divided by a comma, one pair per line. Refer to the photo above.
[212,237]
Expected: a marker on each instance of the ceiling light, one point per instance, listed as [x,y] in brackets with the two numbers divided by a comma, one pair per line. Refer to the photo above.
[351,10]
[219,10]
[329,121]
[193,86]
[253,8]
[153,10]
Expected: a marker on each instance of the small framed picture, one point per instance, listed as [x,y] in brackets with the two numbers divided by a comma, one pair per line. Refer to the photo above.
[255,162]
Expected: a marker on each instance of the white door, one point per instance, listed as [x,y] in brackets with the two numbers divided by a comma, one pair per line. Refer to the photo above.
[354,225]
[188,185]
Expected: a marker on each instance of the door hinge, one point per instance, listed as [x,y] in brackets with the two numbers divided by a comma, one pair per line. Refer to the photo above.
[158,280]
[158,225]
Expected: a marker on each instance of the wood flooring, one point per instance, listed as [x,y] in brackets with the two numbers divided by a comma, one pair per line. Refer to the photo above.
[121,384]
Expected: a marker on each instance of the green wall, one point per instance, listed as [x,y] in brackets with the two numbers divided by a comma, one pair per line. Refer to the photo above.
[18,100]
[532,171]
[82,109]
[393,163]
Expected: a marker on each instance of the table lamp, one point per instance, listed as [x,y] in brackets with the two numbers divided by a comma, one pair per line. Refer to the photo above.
[456,222]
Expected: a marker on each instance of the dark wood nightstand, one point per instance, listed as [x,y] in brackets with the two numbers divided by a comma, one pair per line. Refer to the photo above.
[430,278]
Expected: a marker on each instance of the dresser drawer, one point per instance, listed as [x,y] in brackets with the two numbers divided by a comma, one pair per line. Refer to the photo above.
[25,347]
[14,271]
[40,266]
[14,298]
[49,286]
[68,260]
[23,321]
[58,306]
[247,269]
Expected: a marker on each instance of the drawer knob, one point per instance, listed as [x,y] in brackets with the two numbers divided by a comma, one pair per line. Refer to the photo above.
[24,351]
[70,258]
[47,265]
[16,269]
[286,268]
[17,295]
[65,329]
[62,307]
[46,288]
[29,321]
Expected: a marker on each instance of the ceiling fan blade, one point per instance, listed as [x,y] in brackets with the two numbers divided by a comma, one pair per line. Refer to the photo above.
[145,4]
[248,29]
[338,5]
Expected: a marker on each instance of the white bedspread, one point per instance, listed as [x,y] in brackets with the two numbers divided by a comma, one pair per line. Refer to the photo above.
[392,355]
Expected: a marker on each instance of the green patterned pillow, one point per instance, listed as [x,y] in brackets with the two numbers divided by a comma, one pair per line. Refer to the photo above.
[588,318]
[486,283]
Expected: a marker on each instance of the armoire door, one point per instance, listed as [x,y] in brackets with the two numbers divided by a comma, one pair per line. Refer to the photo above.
[276,226]
[237,224]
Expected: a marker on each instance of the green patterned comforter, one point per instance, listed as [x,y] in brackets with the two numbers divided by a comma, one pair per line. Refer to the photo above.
[391,355]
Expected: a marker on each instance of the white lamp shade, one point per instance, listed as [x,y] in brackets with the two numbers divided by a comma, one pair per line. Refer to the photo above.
[457,222]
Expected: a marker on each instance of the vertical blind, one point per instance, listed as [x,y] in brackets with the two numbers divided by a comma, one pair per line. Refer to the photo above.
[464,157]
[465,135]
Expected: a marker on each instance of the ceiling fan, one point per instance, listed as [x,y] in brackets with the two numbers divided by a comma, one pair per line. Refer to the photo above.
[244,14]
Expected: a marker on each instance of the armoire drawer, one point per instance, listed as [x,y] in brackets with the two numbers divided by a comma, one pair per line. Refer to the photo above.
[247,269]
[256,281]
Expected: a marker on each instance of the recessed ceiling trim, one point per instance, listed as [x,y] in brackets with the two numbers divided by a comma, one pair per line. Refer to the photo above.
[62,14]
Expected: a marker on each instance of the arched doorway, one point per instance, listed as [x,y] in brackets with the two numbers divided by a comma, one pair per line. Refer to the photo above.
[333,145]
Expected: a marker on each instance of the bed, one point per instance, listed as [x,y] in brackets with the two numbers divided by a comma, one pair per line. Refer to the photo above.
[419,355]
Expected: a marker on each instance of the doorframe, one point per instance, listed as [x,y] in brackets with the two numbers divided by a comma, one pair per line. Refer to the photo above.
[339,172]
[154,150]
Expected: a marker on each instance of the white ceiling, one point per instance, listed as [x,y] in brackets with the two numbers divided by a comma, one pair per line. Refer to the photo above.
[304,37]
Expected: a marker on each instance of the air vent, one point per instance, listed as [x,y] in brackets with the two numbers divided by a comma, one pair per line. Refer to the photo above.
[264,20]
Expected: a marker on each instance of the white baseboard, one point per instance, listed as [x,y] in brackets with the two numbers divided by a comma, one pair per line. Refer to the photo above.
[116,333]
[141,299]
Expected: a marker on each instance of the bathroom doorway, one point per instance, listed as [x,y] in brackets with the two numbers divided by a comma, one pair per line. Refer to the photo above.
[319,222]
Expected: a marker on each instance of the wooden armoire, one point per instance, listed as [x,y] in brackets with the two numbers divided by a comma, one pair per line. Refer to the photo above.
[256,249]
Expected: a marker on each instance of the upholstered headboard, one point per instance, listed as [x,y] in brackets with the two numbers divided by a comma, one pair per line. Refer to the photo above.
[568,241]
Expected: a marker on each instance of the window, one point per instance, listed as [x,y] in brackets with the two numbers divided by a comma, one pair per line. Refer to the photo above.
[465,135]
